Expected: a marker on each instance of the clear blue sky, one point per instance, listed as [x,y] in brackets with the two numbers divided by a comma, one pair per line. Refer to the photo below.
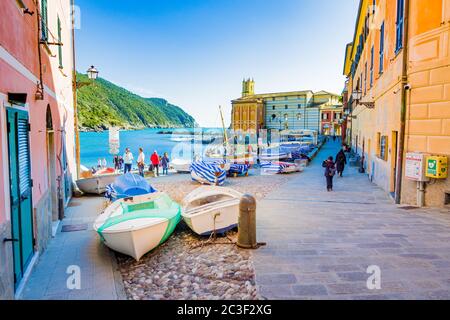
[195,53]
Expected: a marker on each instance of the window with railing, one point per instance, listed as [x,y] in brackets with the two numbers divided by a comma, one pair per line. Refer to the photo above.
[60,49]
[399,25]
[44,21]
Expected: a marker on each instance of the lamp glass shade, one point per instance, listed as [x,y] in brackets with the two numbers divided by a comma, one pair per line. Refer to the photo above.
[356,95]
[92,73]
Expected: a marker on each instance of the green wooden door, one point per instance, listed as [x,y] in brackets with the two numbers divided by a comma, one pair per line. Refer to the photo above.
[21,184]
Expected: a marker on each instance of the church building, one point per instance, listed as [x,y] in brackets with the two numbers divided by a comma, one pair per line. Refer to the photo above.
[297,110]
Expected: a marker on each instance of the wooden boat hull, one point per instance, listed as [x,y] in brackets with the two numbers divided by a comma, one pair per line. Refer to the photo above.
[181,166]
[136,243]
[96,184]
[138,225]
[211,216]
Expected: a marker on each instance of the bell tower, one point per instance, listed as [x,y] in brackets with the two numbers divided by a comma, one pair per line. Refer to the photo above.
[248,87]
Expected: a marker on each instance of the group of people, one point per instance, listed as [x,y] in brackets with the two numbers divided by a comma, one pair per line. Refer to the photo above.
[335,166]
[156,161]
[101,163]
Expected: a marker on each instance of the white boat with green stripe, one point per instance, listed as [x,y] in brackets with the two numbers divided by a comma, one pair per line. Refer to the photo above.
[137,225]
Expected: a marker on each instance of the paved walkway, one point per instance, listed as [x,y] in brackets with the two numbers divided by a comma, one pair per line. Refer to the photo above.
[48,280]
[320,244]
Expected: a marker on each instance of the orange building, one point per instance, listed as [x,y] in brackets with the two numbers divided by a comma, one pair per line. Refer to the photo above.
[398,84]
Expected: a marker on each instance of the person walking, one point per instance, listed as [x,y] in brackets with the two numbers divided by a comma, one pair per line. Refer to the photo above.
[116,163]
[155,162]
[104,163]
[330,171]
[141,162]
[99,163]
[341,161]
[165,164]
[127,160]
[120,162]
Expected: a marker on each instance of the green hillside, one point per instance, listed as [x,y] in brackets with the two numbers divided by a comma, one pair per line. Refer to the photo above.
[104,104]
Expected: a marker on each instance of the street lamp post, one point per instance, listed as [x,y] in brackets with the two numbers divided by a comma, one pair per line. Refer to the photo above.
[92,74]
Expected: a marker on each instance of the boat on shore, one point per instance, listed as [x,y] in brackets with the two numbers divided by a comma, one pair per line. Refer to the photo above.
[208,173]
[181,165]
[274,154]
[237,169]
[134,226]
[96,183]
[279,167]
[210,209]
[128,185]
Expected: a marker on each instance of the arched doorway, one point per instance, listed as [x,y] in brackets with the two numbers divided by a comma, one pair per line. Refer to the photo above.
[51,164]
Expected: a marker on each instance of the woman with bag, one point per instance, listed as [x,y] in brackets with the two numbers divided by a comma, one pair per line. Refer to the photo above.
[330,171]
[165,164]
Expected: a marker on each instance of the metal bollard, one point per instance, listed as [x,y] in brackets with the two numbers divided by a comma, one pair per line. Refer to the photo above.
[247,223]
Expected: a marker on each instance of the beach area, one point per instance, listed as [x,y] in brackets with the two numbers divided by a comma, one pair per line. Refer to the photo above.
[96,145]
[190,267]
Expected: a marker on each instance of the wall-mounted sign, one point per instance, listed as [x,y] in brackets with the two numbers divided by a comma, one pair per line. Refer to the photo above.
[437,167]
[414,166]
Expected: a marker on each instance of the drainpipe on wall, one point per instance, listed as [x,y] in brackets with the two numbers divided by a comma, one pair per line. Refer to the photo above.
[402,133]
[74,88]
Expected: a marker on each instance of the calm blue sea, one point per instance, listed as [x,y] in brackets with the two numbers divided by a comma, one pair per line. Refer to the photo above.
[95,145]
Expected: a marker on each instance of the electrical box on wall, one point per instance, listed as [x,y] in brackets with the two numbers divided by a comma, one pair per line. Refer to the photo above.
[437,167]
[415,166]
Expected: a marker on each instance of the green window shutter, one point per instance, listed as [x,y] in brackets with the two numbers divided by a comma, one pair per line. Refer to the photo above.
[44,20]
[60,51]
[23,156]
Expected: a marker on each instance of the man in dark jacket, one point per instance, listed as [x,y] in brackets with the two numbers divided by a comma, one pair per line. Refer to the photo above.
[341,161]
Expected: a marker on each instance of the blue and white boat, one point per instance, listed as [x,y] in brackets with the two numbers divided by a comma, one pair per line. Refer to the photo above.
[238,169]
[223,163]
[278,167]
[274,154]
[232,169]
[128,185]
[208,173]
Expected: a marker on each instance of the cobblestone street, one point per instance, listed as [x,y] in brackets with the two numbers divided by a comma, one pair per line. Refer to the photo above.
[320,244]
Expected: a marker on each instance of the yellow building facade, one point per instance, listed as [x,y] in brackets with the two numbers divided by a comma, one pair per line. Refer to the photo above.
[248,112]
[296,110]
[398,70]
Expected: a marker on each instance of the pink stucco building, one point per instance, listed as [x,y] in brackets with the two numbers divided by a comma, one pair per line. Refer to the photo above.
[36,131]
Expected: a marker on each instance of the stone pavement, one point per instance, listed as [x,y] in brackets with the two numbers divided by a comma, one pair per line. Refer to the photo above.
[48,280]
[320,244]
